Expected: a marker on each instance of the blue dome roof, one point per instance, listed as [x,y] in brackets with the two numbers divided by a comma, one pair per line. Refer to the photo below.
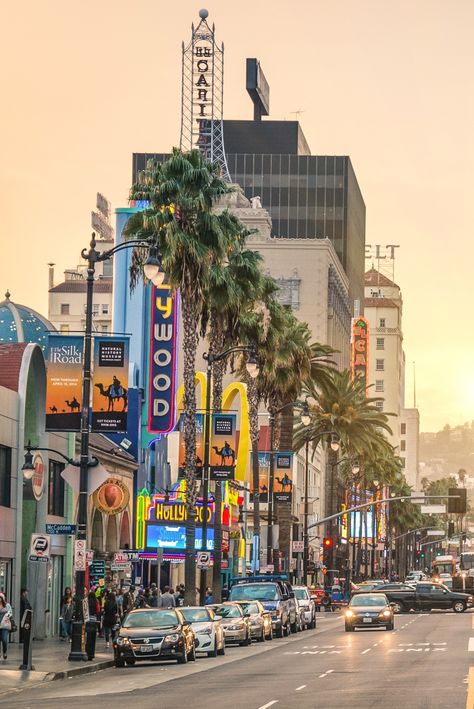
[19,323]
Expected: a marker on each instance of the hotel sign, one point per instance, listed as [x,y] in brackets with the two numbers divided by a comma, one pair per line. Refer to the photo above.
[163,360]
[360,348]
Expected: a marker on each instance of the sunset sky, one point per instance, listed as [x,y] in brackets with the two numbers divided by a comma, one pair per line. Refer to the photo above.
[84,85]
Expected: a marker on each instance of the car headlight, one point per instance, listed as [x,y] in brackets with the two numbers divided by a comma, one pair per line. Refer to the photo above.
[173,638]
[122,641]
[235,626]
[207,630]
[385,614]
[349,614]
[255,622]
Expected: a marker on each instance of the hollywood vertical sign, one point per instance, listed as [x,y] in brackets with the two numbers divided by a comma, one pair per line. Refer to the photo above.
[360,349]
[163,360]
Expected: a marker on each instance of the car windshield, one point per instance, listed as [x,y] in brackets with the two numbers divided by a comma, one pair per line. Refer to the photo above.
[228,611]
[300,594]
[379,600]
[197,615]
[250,608]
[151,619]
[255,592]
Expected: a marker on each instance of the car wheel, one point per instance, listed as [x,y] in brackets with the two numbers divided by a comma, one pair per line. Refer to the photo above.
[212,653]
[280,633]
[313,623]
[349,628]
[294,627]
[183,659]
[459,606]
[130,663]
[397,607]
[192,654]
[119,663]
[222,650]
[262,637]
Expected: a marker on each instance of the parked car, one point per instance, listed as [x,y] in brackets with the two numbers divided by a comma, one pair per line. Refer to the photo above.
[260,620]
[154,634]
[236,625]
[426,596]
[276,595]
[306,605]
[208,630]
[369,610]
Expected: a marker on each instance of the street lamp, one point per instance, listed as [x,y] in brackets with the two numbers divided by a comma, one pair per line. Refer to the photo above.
[252,367]
[92,256]
[152,267]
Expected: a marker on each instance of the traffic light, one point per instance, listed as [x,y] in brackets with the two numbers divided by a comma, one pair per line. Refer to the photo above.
[327,548]
[457,504]
[450,529]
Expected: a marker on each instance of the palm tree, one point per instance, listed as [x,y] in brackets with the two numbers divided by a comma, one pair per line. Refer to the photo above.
[190,237]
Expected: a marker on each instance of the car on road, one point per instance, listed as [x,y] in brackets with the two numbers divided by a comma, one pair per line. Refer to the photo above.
[276,595]
[154,634]
[369,610]
[235,623]
[427,596]
[394,586]
[415,576]
[207,628]
[306,605]
[261,628]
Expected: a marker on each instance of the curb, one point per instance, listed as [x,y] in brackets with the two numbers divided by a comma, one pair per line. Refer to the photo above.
[81,670]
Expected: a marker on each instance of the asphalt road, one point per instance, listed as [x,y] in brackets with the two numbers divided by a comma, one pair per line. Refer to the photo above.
[423,664]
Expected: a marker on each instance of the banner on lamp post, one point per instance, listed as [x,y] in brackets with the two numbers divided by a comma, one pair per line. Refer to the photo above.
[64,383]
[110,384]
[223,447]
[199,445]
[263,478]
[283,477]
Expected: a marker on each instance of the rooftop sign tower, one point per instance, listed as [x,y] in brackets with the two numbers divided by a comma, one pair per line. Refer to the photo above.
[203,94]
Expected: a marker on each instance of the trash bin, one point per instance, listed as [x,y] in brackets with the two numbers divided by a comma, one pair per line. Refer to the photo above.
[91,637]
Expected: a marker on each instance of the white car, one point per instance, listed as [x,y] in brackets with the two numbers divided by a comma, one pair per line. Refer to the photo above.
[306,606]
[207,628]
[414,576]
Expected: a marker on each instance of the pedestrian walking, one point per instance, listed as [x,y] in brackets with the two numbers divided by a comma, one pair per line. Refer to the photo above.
[154,598]
[209,598]
[5,624]
[140,600]
[179,595]
[166,599]
[67,613]
[128,600]
[109,617]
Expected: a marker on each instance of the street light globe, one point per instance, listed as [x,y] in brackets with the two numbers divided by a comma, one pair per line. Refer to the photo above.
[376,483]
[151,267]
[305,415]
[252,366]
[334,442]
[158,279]
[355,468]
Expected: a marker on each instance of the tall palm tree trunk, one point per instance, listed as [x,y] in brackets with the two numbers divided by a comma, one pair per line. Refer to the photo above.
[190,342]
[218,370]
[253,401]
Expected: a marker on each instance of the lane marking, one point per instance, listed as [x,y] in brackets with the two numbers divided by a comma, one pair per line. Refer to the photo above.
[470,647]
[364,651]
[298,689]
[265,706]
[328,672]
[470,689]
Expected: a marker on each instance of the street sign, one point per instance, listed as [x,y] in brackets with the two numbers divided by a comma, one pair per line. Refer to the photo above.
[121,566]
[435,532]
[40,547]
[80,560]
[85,609]
[204,560]
[97,570]
[433,509]
[61,529]
[297,547]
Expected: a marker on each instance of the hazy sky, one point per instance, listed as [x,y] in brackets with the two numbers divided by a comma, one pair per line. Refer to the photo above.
[84,85]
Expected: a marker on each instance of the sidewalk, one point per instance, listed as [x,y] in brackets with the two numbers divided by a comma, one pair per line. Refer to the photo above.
[49,658]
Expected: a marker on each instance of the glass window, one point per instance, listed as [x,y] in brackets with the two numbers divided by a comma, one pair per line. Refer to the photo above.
[255,591]
[56,489]
[403,429]
[5,476]
[230,611]
[379,365]
[379,385]
[151,619]
[365,600]
[197,615]
[403,461]
[403,445]
[380,345]
[379,405]
[382,322]
[104,328]
[105,308]
[64,308]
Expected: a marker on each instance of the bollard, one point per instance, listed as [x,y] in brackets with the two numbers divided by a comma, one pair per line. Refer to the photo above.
[27,626]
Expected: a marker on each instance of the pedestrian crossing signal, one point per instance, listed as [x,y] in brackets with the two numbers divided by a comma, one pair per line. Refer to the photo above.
[327,543]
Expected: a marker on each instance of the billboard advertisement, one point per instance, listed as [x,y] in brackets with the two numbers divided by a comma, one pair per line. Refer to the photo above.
[110,384]
[173,537]
[199,445]
[223,448]
[163,360]
[283,477]
[64,383]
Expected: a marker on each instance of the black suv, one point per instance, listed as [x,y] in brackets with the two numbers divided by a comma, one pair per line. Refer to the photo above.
[276,595]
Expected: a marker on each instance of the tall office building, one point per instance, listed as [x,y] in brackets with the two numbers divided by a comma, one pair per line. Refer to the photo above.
[307,196]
